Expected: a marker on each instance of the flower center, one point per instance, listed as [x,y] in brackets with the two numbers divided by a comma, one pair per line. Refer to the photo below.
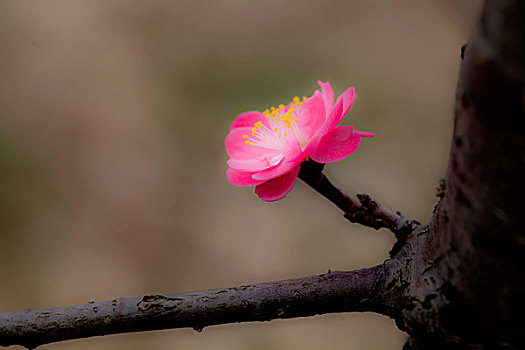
[281,121]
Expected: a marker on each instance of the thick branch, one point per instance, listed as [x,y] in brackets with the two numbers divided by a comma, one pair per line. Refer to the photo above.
[361,290]
[366,211]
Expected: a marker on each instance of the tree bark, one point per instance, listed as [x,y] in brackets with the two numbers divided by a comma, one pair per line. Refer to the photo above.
[456,283]
[469,266]
[363,290]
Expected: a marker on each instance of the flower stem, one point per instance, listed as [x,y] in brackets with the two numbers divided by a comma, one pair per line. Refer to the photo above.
[365,210]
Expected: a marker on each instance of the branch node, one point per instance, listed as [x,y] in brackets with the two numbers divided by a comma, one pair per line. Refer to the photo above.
[365,211]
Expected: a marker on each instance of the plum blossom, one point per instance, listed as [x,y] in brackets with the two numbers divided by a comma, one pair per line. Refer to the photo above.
[266,148]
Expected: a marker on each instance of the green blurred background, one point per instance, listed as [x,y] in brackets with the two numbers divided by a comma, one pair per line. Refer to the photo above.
[112,121]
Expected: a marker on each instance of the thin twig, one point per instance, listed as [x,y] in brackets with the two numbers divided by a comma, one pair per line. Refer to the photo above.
[361,290]
[365,211]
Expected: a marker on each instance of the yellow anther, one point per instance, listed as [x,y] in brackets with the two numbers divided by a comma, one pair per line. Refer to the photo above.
[245,136]
[256,126]
[247,142]
[284,114]
[251,143]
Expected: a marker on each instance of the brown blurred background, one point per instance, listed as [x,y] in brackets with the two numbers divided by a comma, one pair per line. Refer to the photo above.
[112,121]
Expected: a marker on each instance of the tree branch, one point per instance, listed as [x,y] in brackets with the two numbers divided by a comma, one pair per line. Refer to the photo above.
[362,290]
[366,211]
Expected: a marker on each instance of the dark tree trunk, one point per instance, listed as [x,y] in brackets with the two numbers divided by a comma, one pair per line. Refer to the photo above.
[467,273]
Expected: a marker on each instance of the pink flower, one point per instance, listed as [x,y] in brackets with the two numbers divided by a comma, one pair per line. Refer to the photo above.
[266,149]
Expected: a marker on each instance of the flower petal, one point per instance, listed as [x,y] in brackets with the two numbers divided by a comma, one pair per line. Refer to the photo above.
[255,164]
[337,145]
[292,157]
[241,178]
[276,171]
[311,147]
[278,188]
[310,117]
[292,148]
[247,119]
[342,106]
[328,96]
[364,133]
[237,148]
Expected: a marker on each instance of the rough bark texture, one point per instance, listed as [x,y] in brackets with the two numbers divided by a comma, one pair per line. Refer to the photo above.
[467,275]
[456,283]
[332,292]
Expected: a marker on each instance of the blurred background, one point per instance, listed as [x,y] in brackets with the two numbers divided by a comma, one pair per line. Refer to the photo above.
[112,123]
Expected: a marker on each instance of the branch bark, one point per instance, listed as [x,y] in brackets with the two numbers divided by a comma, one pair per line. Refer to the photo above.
[378,289]
[366,211]
[331,292]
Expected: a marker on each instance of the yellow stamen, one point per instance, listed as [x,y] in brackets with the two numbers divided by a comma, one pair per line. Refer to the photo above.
[284,114]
